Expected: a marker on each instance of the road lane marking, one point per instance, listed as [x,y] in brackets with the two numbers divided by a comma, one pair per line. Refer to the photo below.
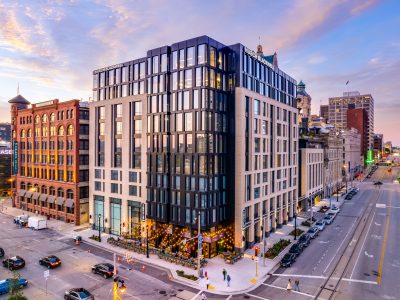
[360,281]
[292,291]
[93,278]
[198,294]
[299,275]
[383,250]
[230,296]
[340,246]
[255,296]
[362,246]
[380,205]
[369,255]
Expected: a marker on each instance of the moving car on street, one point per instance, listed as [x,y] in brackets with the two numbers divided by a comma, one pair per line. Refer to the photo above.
[14,263]
[50,261]
[288,260]
[313,232]
[7,284]
[320,225]
[104,269]
[305,240]
[78,294]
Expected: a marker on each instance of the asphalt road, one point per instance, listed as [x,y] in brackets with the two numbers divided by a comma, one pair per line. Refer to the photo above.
[347,251]
[143,282]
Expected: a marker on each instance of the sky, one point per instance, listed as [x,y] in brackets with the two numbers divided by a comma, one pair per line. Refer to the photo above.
[50,48]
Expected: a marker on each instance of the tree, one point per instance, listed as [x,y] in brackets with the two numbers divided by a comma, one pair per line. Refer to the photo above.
[15,288]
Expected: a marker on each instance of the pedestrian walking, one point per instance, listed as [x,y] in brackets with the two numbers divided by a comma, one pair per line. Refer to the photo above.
[296,285]
[289,285]
[224,274]
[207,282]
[203,296]
[228,280]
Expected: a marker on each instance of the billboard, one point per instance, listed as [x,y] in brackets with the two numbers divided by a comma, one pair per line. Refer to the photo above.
[15,158]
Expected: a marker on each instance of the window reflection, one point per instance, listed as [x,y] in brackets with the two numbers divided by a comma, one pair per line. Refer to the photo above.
[174,60]
[181,58]
[213,57]
[188,78]
[190,56]
[201,54]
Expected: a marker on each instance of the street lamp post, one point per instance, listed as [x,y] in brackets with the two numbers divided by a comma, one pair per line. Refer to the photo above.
[147,241]
[99,228]
[295,225]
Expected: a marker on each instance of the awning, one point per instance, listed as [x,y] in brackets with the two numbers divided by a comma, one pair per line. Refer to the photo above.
[21,193]
[28,194]
[51,199]
[69,203]
[43,197]
[35,196]
[60,200]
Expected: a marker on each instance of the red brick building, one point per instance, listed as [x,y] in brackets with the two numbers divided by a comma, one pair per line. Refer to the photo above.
[50,158]
[358,118]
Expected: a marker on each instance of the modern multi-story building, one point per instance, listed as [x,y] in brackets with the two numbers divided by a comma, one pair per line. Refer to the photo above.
[303,101]
[5,168]
[338,107]
[324,112]
[352,157]
[50,143]
[311,174]
[358,119]
[378,146]
[5,133]
[195,128]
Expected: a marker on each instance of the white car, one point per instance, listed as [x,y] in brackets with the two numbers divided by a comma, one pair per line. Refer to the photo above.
[320,225]
[335,209]
[328,219]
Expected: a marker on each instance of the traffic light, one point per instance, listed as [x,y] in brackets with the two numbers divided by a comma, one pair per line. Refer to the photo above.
[256,248]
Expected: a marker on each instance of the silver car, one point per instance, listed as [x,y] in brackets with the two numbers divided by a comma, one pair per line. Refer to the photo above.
[320,225]
[313,232]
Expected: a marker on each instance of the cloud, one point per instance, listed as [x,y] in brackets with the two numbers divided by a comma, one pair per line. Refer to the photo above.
[316,59]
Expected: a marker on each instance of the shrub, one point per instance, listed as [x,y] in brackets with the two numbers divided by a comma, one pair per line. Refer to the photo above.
[306,223]
[95,238]
[276,249]
[188,276]
[298,232]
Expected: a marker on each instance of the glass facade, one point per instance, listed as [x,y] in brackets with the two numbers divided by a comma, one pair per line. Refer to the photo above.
[115,216]
[98,212]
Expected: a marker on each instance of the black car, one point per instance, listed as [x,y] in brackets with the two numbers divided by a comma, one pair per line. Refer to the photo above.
[304,240]
[296,249]
[349,196]
[50,261]
[78,294]
[288,260]
[104,269]
[14,263]
[1,252]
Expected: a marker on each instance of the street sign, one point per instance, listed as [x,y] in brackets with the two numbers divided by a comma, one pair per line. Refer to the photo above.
[46,274]
[200,245]
[200,237]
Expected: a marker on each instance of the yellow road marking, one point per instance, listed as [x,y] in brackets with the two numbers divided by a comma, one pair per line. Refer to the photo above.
[253,280]
[383,250]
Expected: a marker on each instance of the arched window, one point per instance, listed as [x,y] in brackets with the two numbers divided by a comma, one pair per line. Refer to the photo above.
[22,133]
[43,189]
[37,119]
[22,185]
[70,194]
[61,131]
[29,133]
[44,118]
[71,115]
[67,114]
[29,186]
[52,117]
[52,191]
[60,192]
[36,188]
[70,130]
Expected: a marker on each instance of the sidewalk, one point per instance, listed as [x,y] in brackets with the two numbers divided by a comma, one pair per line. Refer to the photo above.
[242,273]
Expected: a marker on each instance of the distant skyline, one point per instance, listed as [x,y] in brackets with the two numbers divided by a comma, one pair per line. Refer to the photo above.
[50,48]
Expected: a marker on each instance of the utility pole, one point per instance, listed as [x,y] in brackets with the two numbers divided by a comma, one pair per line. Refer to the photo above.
[199,245]
[264,242]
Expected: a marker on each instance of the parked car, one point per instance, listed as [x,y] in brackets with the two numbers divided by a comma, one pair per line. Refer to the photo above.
[50,261]
[320,225]
[305,240]
[296,249]
[14,263]
[78,294]
[104,269]
[333,215]
[7,284]
[313,232]
[328,219]
[349,196]
[335,209]
[288,260]
[1,252]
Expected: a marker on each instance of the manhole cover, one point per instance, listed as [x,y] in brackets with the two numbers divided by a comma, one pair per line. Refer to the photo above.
[246,297]
[366,274]
[162,292]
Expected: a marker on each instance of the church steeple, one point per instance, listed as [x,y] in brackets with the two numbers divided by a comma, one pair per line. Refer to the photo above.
[259,48]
